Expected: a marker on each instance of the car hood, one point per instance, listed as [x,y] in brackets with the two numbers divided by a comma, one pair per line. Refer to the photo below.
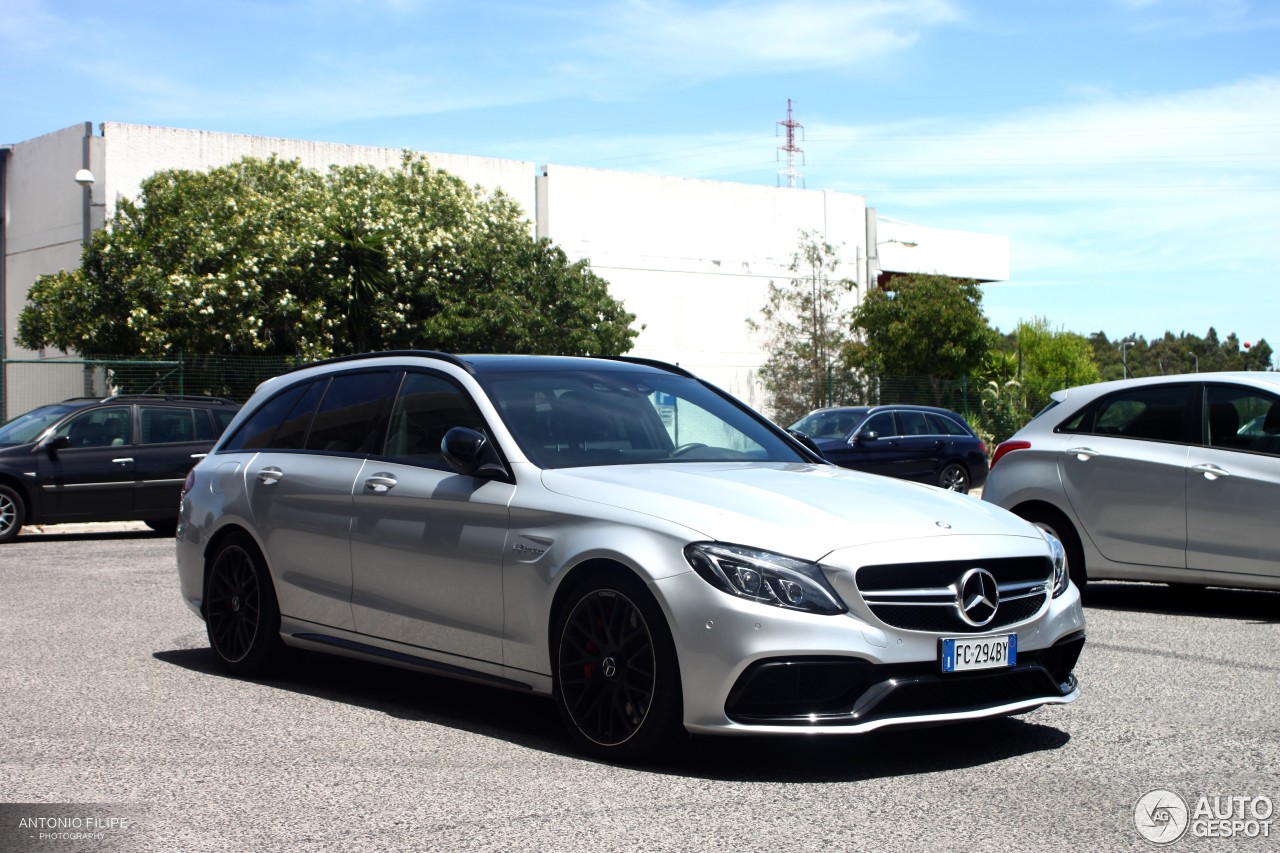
[805,511]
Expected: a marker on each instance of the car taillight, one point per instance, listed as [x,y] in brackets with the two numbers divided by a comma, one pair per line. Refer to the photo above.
[1005,446]
[188,484]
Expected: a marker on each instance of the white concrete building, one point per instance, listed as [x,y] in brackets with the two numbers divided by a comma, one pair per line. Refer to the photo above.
[692,259]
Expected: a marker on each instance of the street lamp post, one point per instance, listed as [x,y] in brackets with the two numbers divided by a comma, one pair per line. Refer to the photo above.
[1124,356]
[85,179]
[873,270]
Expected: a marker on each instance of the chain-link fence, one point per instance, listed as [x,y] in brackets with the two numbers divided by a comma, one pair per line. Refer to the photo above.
[994,410]
[28,383]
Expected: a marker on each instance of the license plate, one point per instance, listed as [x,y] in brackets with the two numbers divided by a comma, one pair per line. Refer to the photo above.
[960,654]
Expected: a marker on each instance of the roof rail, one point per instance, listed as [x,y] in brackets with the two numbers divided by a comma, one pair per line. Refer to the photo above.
[170,398]
[650,362]
[399,353]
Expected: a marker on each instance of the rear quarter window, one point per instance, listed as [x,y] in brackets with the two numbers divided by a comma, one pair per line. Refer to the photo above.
[258,431]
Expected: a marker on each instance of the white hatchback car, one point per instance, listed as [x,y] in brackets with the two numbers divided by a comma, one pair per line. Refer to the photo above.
[1166,478]
[620,536]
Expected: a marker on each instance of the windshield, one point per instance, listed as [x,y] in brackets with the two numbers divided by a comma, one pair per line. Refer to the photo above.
[615,417]
[27,428]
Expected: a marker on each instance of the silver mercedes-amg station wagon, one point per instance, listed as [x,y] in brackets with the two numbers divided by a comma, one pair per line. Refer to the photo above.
[622,537]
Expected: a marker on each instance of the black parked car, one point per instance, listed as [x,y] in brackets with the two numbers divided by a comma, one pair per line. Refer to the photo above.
[120,458]
[921,443]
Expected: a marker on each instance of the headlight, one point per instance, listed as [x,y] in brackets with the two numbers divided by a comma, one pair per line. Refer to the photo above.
[764,577]
[1059,556]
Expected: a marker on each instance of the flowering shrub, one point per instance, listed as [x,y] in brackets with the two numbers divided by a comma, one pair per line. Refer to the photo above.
[268,257]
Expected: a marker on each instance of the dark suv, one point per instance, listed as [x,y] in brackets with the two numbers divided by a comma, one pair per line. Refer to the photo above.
[921,443]
[114,459]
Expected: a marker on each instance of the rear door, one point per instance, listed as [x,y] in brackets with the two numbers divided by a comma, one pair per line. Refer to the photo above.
[921,447]
[1124,471]
[299,486]
[1233,484]
[169,444]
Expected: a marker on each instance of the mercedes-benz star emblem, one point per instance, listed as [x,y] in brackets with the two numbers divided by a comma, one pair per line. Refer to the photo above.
[977,597]
[610,667]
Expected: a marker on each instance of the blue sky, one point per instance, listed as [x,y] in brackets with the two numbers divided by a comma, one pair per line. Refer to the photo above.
[1130,149]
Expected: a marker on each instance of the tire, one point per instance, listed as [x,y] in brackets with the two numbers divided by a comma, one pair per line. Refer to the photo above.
[1056,523]
[13,513]
[954,478]
[241,614]
[616,676]
[165,527]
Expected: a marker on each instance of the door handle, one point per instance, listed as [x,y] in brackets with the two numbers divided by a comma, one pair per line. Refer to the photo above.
[199,455]
[380,483]
[269,476]
[123,460]
[1211,471]
[1084,454]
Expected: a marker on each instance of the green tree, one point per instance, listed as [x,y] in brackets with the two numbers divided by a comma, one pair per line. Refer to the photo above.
[1183,353]
[268,257]
[806,330]
[928,326]
[1050,360]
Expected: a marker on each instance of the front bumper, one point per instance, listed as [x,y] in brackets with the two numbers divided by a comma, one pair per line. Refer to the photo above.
[754,669]
[858,695]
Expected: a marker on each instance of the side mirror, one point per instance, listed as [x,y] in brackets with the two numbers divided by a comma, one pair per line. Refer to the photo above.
[53,445]
[869,435]
[469,452]
[808,442]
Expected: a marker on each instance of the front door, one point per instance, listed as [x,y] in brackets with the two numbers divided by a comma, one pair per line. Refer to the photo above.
[92,477]
[427,544]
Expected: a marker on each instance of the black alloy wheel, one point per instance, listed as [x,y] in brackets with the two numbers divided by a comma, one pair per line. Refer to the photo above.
[954,478]
[12,513]
[241,614]
[616,678]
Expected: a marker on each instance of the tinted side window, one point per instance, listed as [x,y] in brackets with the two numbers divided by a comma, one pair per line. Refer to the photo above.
[881,423]
[914,423]
[257,432]
[350,418]
[166,424]
[1239,418]
[1156,413]
[947,426]
[221,420]
[207,429]
[292,434]
[425,409]
[106,427]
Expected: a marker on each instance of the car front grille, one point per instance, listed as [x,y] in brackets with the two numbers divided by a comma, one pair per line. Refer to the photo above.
[925,596]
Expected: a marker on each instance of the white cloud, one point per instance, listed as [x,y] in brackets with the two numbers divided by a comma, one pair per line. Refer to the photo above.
[669,38]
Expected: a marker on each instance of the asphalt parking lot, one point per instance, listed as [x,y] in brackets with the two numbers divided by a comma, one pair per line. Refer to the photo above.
[108,697]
